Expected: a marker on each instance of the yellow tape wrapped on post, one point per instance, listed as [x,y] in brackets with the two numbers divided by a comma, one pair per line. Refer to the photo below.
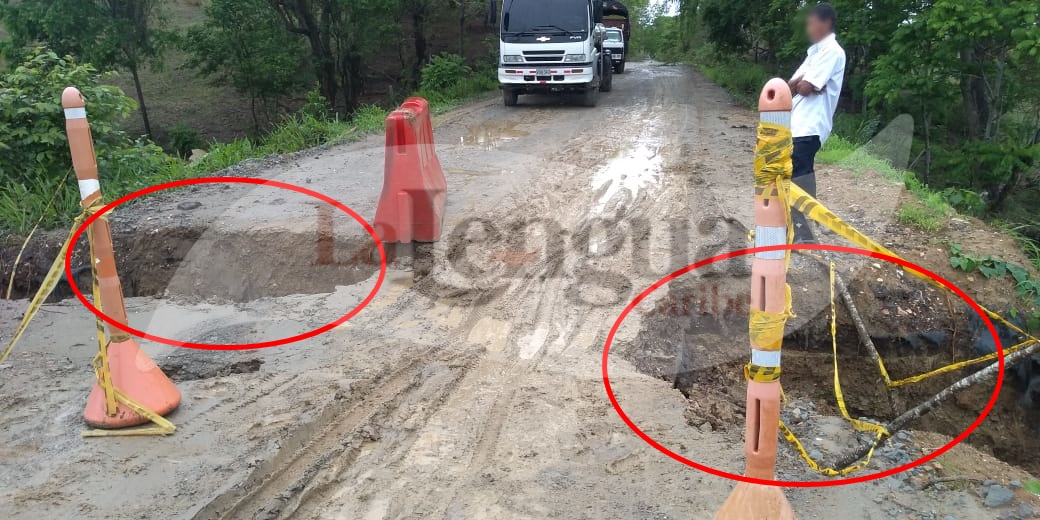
[773,154]
[766,329]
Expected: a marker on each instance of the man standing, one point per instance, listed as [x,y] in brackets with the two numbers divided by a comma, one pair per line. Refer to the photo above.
[816,87]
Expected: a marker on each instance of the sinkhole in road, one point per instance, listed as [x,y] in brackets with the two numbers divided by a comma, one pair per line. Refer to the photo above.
[205,263]
[695,337]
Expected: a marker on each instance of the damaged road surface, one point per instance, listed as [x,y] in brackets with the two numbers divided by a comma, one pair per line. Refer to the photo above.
[470,388]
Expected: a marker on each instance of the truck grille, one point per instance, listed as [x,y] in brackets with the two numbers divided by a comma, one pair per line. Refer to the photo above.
[543,56]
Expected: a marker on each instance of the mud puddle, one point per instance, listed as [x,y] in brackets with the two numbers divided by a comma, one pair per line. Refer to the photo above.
[492,133]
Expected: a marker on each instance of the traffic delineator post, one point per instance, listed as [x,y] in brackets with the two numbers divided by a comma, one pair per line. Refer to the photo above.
[130,389]
[770,308]
[411,205]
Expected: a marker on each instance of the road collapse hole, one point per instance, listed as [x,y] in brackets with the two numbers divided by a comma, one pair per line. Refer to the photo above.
[696,339]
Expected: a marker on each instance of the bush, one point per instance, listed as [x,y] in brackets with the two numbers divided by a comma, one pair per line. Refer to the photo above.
[34,153]
[184,139]
[33,144]
[444,73]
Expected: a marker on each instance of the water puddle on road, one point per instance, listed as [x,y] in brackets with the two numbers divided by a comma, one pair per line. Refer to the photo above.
[491,134]
[634,168]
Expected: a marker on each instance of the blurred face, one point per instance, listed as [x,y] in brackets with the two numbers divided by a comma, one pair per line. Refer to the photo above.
[816,28]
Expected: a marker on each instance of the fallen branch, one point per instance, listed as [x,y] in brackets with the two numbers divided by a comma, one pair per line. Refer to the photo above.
[924,408]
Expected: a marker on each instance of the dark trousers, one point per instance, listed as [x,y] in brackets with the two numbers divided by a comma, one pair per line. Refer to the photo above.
[804,176]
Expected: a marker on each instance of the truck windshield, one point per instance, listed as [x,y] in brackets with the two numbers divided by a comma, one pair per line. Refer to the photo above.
[549,16]
[614,36]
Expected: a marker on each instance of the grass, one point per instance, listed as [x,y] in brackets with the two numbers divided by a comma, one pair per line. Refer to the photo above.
[147,165]
[929,211]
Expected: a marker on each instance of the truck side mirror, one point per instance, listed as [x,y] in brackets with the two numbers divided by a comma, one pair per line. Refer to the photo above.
[597,11]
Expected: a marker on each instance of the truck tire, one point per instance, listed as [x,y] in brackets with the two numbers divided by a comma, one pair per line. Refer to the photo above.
[510,97]
[590,97]
[606,82]
[620,69]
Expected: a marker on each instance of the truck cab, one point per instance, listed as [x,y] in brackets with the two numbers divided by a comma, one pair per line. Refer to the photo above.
[553,47]
[614,41]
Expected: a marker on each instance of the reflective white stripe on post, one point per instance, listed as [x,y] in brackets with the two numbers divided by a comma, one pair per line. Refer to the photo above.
[777,118]
[765,358]
[88,187]
[770,236]
[75,113]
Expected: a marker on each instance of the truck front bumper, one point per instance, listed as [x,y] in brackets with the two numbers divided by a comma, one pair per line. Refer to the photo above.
[526,77]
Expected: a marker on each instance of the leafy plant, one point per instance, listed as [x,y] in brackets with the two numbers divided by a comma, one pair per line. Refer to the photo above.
[444,72]
[184,139]
[993,267]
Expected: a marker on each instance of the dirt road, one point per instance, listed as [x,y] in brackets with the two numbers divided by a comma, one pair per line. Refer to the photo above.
[471,390]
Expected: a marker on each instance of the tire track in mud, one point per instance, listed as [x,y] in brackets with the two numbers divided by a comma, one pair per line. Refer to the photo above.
[304,461]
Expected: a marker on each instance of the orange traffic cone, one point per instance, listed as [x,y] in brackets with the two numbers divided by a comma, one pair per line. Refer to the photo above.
[135,375]
[769,313]
[130,389]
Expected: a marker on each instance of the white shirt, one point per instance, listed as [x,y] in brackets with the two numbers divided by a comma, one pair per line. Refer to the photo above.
[824,67]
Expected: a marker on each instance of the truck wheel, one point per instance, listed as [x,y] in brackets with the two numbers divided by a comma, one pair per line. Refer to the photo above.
[606,83]
[510,97]
[591,97]
[620,68]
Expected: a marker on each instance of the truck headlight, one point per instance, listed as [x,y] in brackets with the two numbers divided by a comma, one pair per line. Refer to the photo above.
[512,58]
[575,58]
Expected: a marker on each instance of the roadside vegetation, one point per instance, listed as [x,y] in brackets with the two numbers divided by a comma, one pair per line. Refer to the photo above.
[303,83]
[964,70]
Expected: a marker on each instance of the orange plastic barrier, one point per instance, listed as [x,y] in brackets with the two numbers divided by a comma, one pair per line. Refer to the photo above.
[127,377]
[411,206]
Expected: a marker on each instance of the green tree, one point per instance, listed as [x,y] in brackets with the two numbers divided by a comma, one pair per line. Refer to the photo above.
[243,44]
[124,34]
[34,153]
[341,36]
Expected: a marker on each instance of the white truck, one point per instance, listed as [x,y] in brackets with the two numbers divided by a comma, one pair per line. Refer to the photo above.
[553,46]
[615,43]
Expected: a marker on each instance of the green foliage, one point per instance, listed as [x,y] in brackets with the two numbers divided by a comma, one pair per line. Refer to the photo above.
[993,267]
[370,118]
[183,139]
[33,146]
[244,44]
[744,80]
[921,216]
[964,201]
[444,72]
[109,34]
[1032,486]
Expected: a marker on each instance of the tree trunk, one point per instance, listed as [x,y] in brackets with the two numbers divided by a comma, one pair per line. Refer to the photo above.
[462,28]
[419,26]
[973,92]
[140,102]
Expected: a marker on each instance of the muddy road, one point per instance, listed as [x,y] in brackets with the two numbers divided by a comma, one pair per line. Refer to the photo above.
[471,387]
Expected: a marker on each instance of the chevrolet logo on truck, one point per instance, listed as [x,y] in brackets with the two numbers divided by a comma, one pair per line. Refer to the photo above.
[544,39]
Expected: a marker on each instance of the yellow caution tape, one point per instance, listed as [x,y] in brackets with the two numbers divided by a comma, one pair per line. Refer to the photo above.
[773,154]
[879,431]
[50,281]
[766,329]
[28,238]
[100,362]
[813,209]
[761,374]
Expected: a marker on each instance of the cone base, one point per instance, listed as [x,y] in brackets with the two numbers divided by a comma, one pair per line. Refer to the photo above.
[756,502]
[136,375]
